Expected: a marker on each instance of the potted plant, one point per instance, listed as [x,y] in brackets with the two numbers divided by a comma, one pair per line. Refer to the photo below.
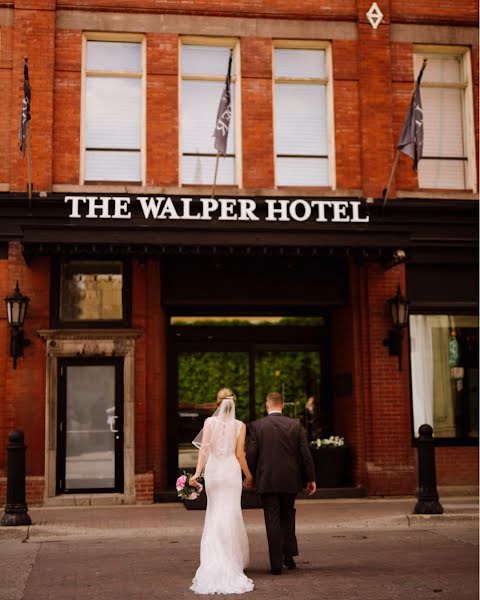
[331,457]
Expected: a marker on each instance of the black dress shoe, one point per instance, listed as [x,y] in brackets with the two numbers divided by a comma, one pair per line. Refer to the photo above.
[289,562]
[276,571]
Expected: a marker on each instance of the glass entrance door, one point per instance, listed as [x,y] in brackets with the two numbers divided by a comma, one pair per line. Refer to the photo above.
[253,361]
[90,426]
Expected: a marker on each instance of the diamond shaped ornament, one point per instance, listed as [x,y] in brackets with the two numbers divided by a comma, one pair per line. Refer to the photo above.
[374,15]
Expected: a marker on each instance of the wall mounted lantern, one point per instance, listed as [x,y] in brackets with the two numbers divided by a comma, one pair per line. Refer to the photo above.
[16,311]
[399,312]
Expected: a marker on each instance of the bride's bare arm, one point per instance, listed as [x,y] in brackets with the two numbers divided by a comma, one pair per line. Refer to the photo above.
[202,454]
[241,456]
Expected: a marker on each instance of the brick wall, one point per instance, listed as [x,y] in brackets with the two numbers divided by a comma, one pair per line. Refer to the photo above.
[144,488]
[34,37]
[457,465]
[373,79]
[22,390]
[257,119]
[162,109]
[66,106]
[385,390]
[35,488]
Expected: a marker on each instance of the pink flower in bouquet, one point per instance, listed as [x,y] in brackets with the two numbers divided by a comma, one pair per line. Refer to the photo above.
[185,491]
[181,481]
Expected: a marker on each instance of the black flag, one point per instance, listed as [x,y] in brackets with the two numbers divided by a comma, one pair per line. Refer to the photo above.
[411,139]
[25,116]
[224,114]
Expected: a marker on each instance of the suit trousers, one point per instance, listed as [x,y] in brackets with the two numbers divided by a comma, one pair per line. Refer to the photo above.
[279,512]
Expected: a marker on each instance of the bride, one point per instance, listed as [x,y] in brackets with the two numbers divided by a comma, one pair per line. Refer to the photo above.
[224,547]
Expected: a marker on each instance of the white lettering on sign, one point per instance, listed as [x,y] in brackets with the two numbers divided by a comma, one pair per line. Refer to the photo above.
[75,200]
[247,210]
[277,207]
[165,208]
[320,205]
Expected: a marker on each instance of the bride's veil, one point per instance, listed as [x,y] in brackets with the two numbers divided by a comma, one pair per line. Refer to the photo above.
[214,429]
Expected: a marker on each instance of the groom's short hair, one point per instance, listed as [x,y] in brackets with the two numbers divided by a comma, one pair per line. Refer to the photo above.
[275,398]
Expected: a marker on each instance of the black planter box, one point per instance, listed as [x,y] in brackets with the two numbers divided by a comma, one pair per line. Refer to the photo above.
[199,504]
[333,466]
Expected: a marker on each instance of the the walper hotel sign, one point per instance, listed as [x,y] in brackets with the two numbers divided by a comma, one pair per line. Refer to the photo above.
[212,209]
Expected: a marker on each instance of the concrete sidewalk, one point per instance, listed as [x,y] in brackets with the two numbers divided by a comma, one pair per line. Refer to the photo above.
[173,519]
[349,550]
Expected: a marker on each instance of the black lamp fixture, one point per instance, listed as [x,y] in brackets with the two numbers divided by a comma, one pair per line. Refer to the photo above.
[16,311]
[399,311]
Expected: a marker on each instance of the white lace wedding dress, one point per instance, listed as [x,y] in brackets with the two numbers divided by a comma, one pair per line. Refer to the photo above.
[224,549]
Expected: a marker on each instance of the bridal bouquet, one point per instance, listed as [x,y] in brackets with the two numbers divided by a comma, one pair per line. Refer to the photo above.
[185,491]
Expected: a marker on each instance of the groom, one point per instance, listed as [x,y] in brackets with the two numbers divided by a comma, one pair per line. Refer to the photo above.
[277,454]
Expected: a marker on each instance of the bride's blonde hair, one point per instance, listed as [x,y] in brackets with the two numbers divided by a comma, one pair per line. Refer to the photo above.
[225,393]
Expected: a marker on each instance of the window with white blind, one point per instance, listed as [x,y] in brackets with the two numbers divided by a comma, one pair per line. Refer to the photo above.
[303,125]
[203,72]
[448,149]
[113,111]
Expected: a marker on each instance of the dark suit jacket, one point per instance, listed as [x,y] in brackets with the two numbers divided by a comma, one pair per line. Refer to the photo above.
[278,454]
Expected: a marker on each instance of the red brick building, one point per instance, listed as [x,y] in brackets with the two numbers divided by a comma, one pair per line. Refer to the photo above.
[137,279]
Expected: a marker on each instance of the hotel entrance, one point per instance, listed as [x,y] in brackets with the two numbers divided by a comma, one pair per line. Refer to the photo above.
[253,356]
[256,324]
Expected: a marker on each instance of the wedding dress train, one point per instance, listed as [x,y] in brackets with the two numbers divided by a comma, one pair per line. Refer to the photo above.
[224,551]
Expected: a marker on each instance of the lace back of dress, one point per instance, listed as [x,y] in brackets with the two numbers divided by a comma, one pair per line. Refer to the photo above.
[224,435]
[220,431]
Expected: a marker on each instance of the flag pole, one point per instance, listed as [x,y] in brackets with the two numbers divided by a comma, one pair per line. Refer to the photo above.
[390,180]
[215,175]
[29,167]
[397,154]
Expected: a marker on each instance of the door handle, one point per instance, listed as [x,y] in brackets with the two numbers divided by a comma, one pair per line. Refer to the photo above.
[111,422]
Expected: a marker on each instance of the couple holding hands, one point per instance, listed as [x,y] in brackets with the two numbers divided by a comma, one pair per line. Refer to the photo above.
[276,457]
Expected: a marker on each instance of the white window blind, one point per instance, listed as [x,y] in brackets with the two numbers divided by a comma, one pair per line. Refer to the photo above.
[204,69]
[445,158]
[301,128]
[113,111]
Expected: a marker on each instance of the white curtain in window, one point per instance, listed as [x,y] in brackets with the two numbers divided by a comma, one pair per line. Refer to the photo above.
[444,144]
[303,64]
[200,101]
[444,174]
[422,371]
[301,129]
[206,60]
[199,108]
[113,113]
[300,119]
[112,166]
[200,170]
[114,56]
[302,171]
[443,122]
[440,68]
